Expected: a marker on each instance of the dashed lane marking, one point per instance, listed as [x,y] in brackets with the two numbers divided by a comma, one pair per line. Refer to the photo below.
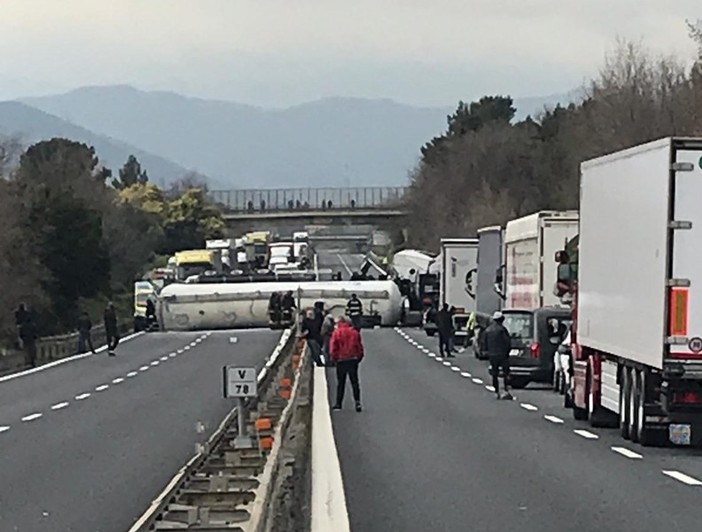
[466,374]
[173,355]
[32,417]
[102,388]
[4,428]
[164,358]
[82,396]
[447,363]
[553,419]
[586,434]
[132,374]
[117,380]
[530,408]
[490,388]
[627,452]
[180,351]
[431,355]
[477,380]
[155,363]
[682,477]
[455,368]
[144,368]
[59,406]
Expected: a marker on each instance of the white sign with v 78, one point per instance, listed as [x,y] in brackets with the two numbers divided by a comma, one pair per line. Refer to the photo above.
[240,382]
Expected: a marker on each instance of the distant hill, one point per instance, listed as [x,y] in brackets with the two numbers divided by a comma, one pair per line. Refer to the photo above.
[330,142]
[33,125]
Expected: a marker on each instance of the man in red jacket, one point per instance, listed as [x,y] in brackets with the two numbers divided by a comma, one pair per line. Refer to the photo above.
[346,350]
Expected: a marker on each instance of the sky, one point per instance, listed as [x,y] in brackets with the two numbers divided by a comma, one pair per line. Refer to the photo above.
[276,53]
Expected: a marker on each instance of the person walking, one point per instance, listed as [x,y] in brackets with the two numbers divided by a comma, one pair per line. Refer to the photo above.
[497,345]
[311,331]
[444,326]
[29,333]
[327,331]
[354,310]
[21,315]
[274,308]
[111,329]
[84,337]
[287,304]
[346,348]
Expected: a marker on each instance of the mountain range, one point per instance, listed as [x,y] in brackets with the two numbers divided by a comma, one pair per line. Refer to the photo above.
[329,142]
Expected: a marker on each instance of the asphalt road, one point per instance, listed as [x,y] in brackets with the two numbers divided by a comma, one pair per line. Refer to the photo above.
[76,462]
[340,261]
[433,450]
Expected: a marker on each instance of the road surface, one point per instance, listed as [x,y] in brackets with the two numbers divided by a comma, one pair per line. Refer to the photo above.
[340,261]
[86,446]
[433,450]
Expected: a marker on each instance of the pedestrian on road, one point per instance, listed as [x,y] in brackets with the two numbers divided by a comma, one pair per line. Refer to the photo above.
[274,307]
[327,331]
[444,326]
[287,303]
[497,345]
[84,337]
[29,335]
[21,314]
[312,332]
[354,310]
[346,347]
[111,330]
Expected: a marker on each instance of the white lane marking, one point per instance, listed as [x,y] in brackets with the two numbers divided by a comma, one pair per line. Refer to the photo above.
[425,349]
[59,406]
[55,363]
[466,374]
[82,396]
[431,355]
[439,360]
[117,380]
[586,434]
[155,363]
[527,406]
[132,374]
[164,358]
[343,263]
[682,477]
[553,419]
[102,388]
[233,339]
[144,368]
[32,417]
[329,510]
[4,428]
[489,387]
[455,368]
[447,363]
[477,381]
[627,452]
[180,351]
[187,348]
[173,355]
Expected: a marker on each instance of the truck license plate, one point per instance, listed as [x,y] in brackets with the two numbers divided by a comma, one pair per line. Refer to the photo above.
[680,434]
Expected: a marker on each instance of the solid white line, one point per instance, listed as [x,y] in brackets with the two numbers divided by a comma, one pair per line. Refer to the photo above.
[164,358]
[586,434]
[144,368]
[455,368]
[466,374]
[155,363]
[682,477]
[32,417]
[4,428]
[59,406]
[627,452]
[477,381]
[102,388]
[82,396]
[55,363]
[329,510]
[117,380]
[132,374]
[343,263]
[553,419]
[489,387]
[527,406]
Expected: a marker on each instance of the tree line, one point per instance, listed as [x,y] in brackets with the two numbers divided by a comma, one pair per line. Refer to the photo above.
[75,237]
[487,168]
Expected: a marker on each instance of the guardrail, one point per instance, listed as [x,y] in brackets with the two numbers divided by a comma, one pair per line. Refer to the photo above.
[226,488]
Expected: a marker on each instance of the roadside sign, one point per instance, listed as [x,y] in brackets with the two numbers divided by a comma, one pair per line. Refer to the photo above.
[239,382]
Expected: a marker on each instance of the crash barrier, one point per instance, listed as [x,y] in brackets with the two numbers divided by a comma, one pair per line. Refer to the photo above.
[50,348]
[228,487]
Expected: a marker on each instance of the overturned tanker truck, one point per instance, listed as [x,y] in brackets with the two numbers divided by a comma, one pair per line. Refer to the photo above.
[188,307]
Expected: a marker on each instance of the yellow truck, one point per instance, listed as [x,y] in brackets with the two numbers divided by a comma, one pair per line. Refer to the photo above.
[256,244]
[194,262]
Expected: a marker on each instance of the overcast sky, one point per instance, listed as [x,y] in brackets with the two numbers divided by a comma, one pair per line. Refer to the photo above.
[281,52]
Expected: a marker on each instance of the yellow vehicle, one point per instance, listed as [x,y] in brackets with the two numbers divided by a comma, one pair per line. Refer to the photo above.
[194,262]
[256,244]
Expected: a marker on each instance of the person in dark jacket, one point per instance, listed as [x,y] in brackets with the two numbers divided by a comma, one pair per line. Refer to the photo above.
[84,337]
[29,335]
[274,307]
[287,304]
[21,314]
[497,345]
[111,330]
[327,331]
[346,348]
[444,326]
[354,310]
[312,332]
[150,313]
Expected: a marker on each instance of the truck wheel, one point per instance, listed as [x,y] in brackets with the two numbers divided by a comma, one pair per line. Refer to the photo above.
[645,434]
[634,406]
[624,393]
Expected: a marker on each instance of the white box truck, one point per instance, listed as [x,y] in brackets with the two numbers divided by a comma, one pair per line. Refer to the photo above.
[528,274]
[458,257]
[480,280]
[638,319]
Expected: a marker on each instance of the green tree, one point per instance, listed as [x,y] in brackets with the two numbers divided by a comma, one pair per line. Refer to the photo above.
[131,174]
[190,220]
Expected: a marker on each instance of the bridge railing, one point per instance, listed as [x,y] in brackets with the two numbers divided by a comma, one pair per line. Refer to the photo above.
[291,199]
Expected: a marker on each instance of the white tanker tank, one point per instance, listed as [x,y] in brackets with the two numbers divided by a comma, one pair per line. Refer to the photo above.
[187,307]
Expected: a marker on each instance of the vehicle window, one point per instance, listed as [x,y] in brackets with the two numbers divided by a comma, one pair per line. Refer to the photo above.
[519,325]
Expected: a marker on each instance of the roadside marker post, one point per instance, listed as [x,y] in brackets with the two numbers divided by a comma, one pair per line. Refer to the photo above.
[241,383]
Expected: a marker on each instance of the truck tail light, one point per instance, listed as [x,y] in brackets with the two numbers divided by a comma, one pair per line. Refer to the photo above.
[687,398]
[535,350]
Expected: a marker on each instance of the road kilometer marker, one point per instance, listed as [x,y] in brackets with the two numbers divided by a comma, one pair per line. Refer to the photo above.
[553,419]
[530,408]
[59,406]
[682,477]
[586,434]
[32,417]
[628,453]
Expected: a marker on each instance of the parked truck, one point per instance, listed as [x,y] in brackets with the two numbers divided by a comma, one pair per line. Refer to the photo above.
[458,257]
[525,280]
[637,332]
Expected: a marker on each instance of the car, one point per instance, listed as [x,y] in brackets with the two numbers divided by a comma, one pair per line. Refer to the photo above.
[536,335]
